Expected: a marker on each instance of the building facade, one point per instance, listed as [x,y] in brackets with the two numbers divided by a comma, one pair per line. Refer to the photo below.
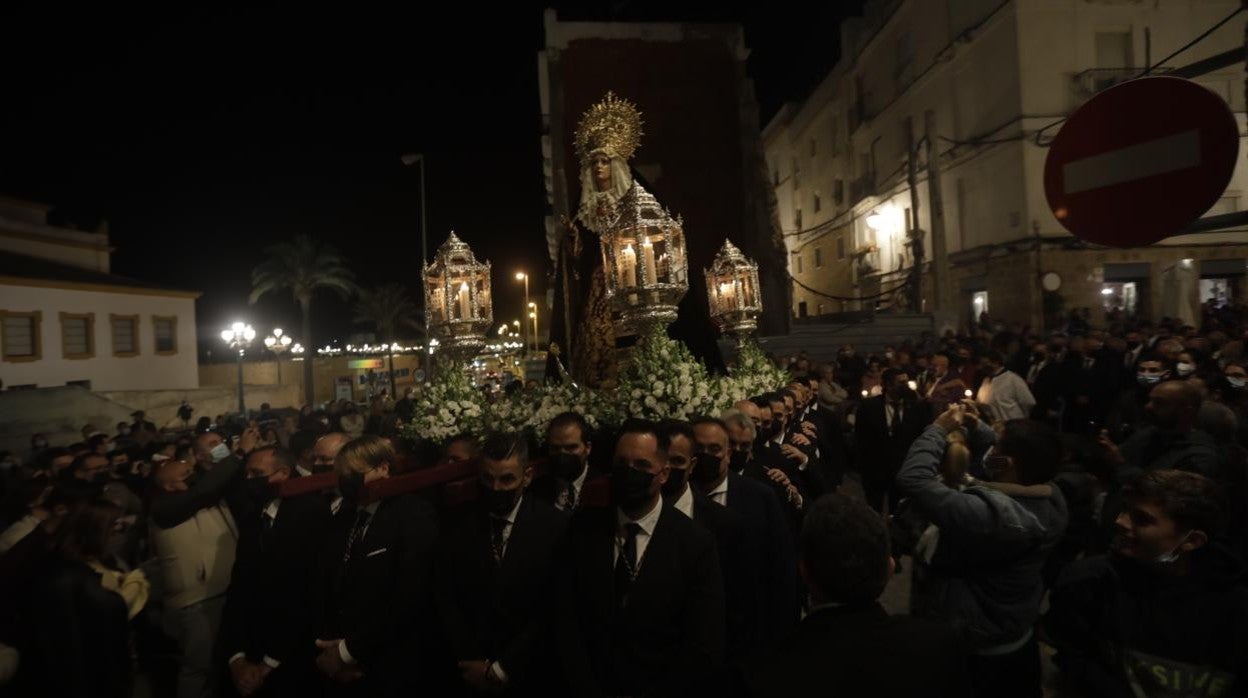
[976,90]
[65,319]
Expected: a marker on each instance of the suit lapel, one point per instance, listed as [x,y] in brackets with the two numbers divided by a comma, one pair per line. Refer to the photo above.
[517,541]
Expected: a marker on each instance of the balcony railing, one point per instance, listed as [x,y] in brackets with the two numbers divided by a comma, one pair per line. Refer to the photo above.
[1091,81]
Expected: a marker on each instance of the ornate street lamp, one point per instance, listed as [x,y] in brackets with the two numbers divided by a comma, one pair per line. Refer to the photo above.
[458,305]
[732,289]
[278,343]
[239,336]
[643,256]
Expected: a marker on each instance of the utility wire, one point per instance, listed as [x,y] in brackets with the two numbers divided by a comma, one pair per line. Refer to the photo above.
[1193,42]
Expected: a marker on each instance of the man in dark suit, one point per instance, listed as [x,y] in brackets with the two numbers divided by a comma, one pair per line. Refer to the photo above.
[726,525]
[848,641]
[767,544]
[372,599]
[495,577]
[568,447]
[264,627]
[885,427]
[642,599]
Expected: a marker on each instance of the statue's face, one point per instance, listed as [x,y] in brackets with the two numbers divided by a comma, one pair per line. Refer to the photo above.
[600,171]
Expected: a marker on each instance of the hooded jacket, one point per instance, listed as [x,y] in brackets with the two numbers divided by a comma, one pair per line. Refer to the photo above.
[1124,628]
[985,576]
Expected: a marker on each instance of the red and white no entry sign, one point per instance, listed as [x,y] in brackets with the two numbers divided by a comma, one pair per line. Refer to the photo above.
[1140,161]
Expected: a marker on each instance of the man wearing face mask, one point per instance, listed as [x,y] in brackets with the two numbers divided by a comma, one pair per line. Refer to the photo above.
[265,627]
[211,448]
[1171,440]
[767,542]
[193,537]
[568,448]
[886,426]
[325,452]
[371,600]
[984,576]
[1003,393]
[1165,613]
[642,598]
[495,577]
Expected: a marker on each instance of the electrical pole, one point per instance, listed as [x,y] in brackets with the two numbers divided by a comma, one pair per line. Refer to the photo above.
[915,234]
[940,260]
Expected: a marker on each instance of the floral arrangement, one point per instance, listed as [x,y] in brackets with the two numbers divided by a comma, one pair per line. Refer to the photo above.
[449,405]
[663,380]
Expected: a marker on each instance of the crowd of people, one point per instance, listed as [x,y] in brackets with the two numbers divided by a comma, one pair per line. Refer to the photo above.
[1076,495]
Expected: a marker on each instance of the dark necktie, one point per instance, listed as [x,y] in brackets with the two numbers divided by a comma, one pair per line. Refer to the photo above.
[266,521]
[357,534]
[626,564]
[498,543]
[571,497]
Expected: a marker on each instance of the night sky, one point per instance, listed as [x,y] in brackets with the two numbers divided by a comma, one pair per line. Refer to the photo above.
[203,138]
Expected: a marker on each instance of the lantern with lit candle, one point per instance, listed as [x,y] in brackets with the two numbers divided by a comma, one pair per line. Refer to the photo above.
[644,253]
[732,289]
[458,307]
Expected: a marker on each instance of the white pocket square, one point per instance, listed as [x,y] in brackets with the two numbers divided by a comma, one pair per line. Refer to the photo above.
[377,552]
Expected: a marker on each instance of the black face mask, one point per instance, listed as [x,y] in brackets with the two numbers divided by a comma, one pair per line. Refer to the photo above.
[191,480]
[630,487]
[350,486]
[257,489]
[676,479]
[499,502]
[566,466]
[705,468]
[738,460]
[764,434]
[1133,345]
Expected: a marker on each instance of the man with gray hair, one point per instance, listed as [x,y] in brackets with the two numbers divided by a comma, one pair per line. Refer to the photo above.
[780,477]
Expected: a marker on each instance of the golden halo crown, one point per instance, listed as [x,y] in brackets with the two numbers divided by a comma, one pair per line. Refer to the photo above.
[612,125]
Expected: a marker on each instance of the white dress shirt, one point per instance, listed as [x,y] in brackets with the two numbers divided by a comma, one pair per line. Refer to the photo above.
[684,503]
[647,523]
[719,495]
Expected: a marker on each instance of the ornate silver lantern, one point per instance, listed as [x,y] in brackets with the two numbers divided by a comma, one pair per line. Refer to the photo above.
[458,305]
[644,262]
[732,289]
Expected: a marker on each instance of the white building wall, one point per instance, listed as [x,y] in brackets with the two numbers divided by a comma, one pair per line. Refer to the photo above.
[146,371]
[992,72]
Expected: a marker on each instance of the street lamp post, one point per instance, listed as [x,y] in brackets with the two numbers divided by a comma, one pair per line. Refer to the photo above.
[239,336]
[533,317]
[410,159]
[521,276]
[278,343]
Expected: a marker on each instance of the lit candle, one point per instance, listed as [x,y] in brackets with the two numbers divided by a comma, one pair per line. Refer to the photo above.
[628,266]
[465,306]
[727,297]
[647,251]
[967,393]
[912,385]
[864,393]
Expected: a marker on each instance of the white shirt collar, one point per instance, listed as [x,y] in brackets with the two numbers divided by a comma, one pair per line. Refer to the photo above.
[578,482]
[647,521]
[684,504]
[271,510]
[302,470]
[721,489]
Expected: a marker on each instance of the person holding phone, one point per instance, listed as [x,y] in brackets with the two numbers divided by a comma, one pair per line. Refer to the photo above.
[984,576]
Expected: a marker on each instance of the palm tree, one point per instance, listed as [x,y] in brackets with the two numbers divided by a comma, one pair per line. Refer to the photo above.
[387,308]
[302,266]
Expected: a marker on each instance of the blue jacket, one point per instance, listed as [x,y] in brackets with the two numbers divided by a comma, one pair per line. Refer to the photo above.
[994,537]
